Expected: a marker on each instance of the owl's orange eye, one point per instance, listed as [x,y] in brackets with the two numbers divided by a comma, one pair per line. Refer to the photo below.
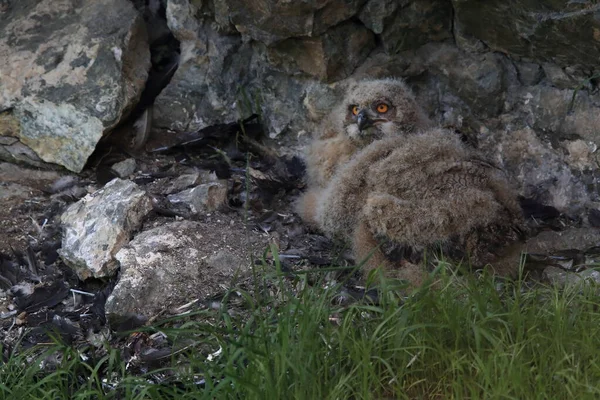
[382,108]
[355,110]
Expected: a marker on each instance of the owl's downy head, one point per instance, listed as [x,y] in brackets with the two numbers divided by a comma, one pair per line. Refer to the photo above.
[374,109]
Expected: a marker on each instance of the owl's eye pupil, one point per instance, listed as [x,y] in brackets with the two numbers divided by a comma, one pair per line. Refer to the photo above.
[382,108]
[355,110]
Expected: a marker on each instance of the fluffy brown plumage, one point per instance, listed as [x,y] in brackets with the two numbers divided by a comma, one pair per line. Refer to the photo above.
[371,110]
[420,193]
[381,179]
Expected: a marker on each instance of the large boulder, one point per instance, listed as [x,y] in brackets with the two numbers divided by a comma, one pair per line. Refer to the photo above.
[273,20]
[330,57]
[208,86]
[406,24]
[168,266]
[561,31]
[539,171]
[69,71]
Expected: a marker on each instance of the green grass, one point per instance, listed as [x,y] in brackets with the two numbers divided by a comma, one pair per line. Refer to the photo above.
[289,339]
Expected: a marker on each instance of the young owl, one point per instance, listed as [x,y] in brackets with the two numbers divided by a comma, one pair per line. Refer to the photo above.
[371,110]
[403,197]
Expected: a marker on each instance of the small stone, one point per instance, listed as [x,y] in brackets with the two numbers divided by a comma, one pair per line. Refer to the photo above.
[124,168]
[560,278]
[591,275]
[202,198]
[21,318]
[182,182]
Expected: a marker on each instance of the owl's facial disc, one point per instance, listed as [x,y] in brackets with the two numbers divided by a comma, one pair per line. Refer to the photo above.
[367,121]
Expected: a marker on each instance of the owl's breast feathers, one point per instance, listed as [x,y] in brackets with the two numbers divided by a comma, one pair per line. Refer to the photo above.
[426,191]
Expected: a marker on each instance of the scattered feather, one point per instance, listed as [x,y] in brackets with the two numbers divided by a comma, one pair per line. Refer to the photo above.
[63,183]
[43,295]
[142,128]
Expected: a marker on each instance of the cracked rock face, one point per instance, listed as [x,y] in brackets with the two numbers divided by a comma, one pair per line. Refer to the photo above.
[502,73]
[97,226]
[407,24]
[566,32]
[69,71]
[272,20]
[541,173]
[330,57]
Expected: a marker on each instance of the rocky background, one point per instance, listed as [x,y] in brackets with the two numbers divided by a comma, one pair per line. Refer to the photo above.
[120,83]
[520,78]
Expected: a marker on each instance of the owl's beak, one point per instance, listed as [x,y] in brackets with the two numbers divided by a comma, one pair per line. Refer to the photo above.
[363,120]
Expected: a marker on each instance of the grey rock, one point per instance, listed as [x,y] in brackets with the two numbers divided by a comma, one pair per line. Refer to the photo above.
[182,182]
[553,111]
[540,171]
[58,133]
[563,31]
[171,265]
[477,79]
[379,64]
[282,102]
[21,154]
[270,21]
[97,226]
[548,242]
[71,71]
[329,57]
[206,197]
[6,141]
[407,24]
[185,181]
[467,42]
[561,278]
[579,154]
[319,100]
[591,275]
[529,73]
[11,149]
[208,87]
[558,77]
[579,239]
[124,168]
[376,13]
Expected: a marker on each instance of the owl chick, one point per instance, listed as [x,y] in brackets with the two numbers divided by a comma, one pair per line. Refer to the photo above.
[420,193]
[371,110]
